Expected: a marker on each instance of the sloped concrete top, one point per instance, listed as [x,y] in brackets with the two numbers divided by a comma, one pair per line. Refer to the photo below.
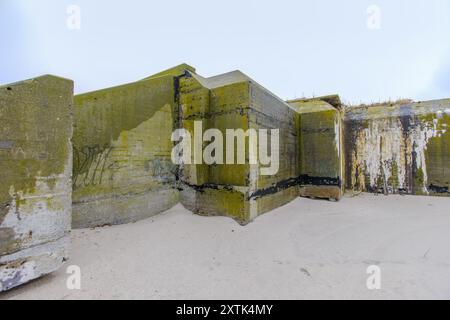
[332,100]
[230,78]
[175,71]
[222,80]
[309,106]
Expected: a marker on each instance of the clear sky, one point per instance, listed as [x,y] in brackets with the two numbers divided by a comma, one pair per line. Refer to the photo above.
[294,48]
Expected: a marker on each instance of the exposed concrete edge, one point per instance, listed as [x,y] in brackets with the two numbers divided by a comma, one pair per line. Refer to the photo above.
[29,264]
[129,208]
[230,78]
[313,106]
[31,80]
[121,86]
[334,100]
[392,110]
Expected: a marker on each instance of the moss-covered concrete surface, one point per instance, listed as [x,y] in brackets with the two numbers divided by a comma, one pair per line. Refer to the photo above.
[221,103]
[267,111]
[123,171]
[238,190]
[319,143]
[122,147]
[122,151]
[35,172]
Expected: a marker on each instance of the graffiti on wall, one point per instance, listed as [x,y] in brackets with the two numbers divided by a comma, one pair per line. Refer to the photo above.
[90,163]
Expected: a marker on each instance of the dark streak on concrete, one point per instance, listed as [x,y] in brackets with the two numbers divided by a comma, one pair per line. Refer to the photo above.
[302,180]
[201,188]
[438,189]
[280,186]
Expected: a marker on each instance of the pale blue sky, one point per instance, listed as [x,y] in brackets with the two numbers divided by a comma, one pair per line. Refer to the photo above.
[294,48]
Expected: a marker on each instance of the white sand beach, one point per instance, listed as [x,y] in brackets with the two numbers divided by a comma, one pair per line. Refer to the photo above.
[308,249]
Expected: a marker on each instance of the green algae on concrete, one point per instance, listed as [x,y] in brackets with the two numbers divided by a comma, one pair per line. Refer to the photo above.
[217,189]
[122,152]
[267,111]
[35,171]
[399,148]
[319,144]
[234,101]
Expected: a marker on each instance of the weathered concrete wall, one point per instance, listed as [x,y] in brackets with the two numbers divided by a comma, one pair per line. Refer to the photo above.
[122,151]
[267,111]
[35,176]
[234,101]
[320,150]
[399,148]
[221,103]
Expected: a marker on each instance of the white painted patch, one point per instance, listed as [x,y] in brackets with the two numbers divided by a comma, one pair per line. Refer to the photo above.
[337,135]
[384,144]
[42,217]
[420,137]
[35,221]
[12,277]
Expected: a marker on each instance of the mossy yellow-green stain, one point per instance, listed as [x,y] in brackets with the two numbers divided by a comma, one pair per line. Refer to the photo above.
[122,150]
[175,71]
[320,150]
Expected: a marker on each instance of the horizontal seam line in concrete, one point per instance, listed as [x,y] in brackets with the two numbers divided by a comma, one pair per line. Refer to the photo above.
[126,195]
[66,233]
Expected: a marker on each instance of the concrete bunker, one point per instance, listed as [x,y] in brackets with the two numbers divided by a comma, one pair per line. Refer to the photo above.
[35,171]
[119,168]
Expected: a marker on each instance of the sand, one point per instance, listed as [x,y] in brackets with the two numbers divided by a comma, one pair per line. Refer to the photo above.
[308,249]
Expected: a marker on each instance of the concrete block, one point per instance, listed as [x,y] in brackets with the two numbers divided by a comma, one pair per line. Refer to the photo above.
[218,103]
[234,101]
[35,175]
[267,111]
[320,147]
